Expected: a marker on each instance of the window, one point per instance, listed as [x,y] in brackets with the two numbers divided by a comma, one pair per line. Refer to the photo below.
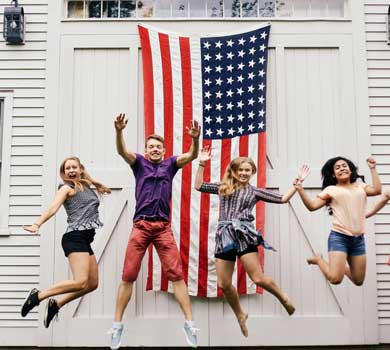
[101,9]
[204,8]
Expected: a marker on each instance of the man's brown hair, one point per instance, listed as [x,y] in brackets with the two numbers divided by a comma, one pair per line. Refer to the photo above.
[154,137]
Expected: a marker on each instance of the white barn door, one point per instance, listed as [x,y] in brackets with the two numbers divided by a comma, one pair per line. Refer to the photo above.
[313,115]
[100,77]
[315,111]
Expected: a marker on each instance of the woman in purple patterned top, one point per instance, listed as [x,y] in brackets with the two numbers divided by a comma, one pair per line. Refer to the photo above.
[236,234]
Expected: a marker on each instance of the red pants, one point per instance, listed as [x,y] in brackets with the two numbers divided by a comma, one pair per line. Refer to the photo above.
[160,234]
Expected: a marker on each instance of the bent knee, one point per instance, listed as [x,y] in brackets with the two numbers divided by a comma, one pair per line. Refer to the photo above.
[224,285]
[174,271]
[93,285]
[262,281]
[335,279]
[174,275]
[130,273]
[82,284]
[358,282]
[129,276]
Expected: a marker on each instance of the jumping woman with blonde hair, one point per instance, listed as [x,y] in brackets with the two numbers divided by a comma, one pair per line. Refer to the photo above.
[236,234]
[81,205]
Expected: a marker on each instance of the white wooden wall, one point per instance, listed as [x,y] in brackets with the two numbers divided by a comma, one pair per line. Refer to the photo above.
[378,60]
[317,89]
[22,81]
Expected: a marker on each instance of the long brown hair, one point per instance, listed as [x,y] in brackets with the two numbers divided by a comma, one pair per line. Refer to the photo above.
[229,182]
[85,179]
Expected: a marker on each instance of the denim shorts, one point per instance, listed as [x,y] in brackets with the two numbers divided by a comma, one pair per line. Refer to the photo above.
[351,245]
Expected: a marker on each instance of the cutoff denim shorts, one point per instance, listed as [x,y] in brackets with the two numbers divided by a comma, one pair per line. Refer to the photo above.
[351,245]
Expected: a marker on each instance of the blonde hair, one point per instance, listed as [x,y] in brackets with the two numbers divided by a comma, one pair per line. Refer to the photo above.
[229,182]
[85,179]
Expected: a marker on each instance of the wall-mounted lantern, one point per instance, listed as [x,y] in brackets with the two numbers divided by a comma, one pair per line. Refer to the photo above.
[13,24]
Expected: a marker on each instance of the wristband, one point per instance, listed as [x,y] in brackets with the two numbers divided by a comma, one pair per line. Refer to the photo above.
[202,164]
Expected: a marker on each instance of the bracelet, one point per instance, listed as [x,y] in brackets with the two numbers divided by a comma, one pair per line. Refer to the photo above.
[202,164]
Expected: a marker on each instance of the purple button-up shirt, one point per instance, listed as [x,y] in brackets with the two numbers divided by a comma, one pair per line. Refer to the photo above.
[153,187]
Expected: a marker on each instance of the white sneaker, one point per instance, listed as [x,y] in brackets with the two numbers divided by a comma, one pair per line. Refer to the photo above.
[190,332]
[116,334]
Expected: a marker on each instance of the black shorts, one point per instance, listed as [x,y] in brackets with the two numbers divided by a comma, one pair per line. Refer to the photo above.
[232,254]
[78,242]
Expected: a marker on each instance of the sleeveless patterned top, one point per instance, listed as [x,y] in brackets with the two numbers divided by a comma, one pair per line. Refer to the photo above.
[82,210]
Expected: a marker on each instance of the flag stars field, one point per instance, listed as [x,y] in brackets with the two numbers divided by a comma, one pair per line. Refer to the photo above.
[231,79]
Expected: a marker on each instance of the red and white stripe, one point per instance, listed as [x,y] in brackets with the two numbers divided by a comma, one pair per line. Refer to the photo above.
[172,98]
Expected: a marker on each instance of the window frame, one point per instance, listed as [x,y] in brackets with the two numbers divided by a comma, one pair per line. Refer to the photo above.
[7,101]
[346,17]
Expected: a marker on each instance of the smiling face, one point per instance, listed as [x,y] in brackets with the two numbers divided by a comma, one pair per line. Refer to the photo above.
[341,171]
[155,150]
[72,169]
[244,173]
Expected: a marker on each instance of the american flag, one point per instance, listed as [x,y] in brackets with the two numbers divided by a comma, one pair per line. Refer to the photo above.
[221,82]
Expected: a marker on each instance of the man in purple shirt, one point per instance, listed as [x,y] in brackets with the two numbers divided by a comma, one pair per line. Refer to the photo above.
[151,222]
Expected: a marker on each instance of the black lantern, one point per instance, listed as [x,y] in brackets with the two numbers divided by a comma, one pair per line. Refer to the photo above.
[13,24]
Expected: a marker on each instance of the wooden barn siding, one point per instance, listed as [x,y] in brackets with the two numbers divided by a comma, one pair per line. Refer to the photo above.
[22,70]
[378,62]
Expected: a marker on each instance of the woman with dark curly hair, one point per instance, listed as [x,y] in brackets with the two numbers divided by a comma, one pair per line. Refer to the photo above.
[346,200]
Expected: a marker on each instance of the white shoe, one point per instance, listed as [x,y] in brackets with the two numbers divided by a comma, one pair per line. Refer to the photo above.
[191,332]
[116,335]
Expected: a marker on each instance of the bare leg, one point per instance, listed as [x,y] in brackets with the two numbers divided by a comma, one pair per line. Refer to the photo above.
[357,269]
[347,272]
[80,265]
[251,263]
[171,264]
[93,281]
[181,294]
[224,272]
[123,297]
[333,271]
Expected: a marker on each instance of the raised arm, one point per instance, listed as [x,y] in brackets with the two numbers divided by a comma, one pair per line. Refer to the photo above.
[120,123]
[383,199]
[304,171]
[61,195]
[189,156]
[204,156]
[376,187]
[311,204]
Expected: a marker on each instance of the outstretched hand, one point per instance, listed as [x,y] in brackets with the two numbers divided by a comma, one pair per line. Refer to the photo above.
[32,228]
[371,162]
[120,122]
[194,131]
[204,154]
[303,173]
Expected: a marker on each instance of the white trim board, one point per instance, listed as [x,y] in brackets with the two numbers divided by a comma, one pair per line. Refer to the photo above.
[7,97]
